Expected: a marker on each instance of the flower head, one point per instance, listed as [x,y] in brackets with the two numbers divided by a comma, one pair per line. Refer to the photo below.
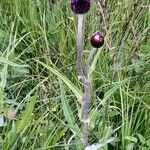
[80,6]
[97,40]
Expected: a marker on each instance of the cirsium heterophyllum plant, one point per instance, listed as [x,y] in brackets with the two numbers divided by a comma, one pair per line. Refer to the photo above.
[80,7]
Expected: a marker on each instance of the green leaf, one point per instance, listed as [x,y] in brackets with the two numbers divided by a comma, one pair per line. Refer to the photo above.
[112,90]
[98,146]
[1,100]
[130,146]
[71,86]
[3,77]
[113,113]
[141,138]
[1,120]
[25,117]
[148,143]
[94,113]
[2,33]
[5,61]
[145,47]
[93,65]
[131,138]
[59,136]
[21,124]
[68,113]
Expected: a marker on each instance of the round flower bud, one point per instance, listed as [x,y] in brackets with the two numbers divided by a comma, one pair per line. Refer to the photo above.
[97,40]
[80,6]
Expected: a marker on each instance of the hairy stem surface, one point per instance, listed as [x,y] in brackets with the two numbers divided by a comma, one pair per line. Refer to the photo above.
[79,46]
[85,81]
[85,109]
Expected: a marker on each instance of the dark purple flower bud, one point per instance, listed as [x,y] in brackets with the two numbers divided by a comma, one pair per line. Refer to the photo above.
[80,6]
[97,40]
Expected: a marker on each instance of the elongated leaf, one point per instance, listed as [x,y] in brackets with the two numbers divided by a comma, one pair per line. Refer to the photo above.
[93,65]
[3,76]
[25,117]
[1,100]
[130,146]
[32,91]
[2,34]
[141,138]
[98,146]
[68,113]
[71,86]
[20,125]
[131,138]
[112,90]
[1,120]
[5,61]
[59,136]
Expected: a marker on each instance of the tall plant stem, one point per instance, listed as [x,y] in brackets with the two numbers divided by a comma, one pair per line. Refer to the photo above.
[85,81]
[79,47]
[85,110]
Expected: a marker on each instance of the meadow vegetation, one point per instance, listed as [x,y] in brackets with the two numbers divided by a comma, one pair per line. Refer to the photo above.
[40,95]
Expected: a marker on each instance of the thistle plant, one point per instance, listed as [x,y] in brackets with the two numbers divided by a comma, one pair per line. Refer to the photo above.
[80,7]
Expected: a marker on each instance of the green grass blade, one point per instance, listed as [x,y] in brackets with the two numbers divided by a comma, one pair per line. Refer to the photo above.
[5,61]
[21,124]
[71,86]
[93,65]
[110,92]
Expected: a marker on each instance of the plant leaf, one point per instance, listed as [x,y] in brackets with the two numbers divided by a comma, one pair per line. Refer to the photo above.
[71,86]
[1,121]
[97,146]
[20,125]
[112,90]
[5,61]
[68,113]
[131,138]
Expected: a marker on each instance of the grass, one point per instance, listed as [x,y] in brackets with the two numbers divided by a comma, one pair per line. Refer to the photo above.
[40,96]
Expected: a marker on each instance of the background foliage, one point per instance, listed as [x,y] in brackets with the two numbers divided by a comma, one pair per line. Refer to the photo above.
[40,96]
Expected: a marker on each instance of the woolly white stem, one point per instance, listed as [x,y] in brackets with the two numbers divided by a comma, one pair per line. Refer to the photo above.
[85,82]
[85,111]
[79,46]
